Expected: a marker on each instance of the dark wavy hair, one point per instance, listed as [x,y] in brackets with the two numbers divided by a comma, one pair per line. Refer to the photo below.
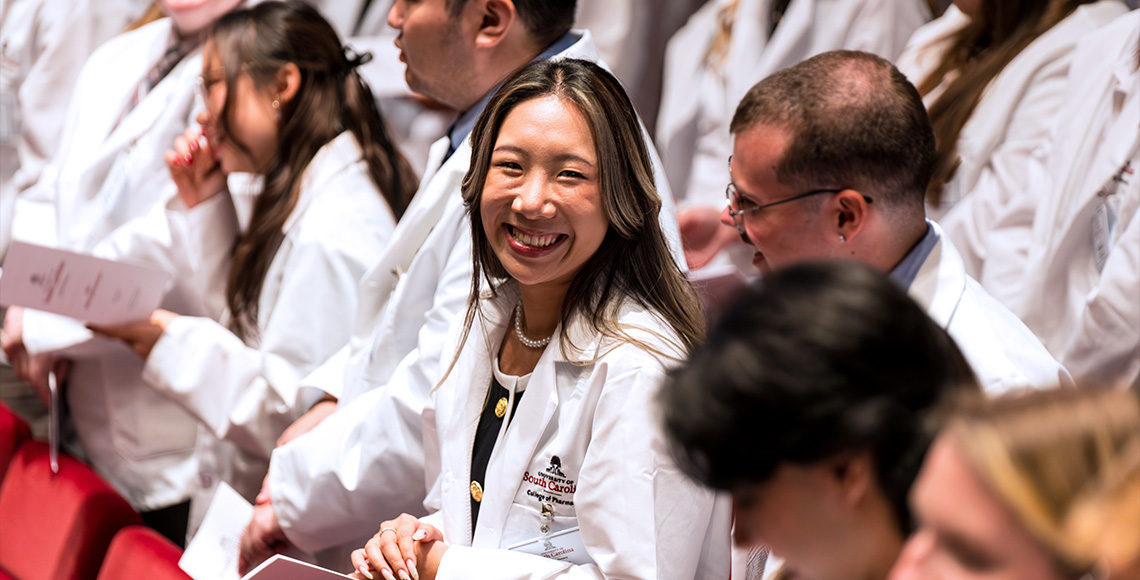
[633,261]
[814,361]
[332,98]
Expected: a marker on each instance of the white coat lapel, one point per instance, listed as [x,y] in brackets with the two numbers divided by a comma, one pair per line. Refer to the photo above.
[514,453]
[1082,187]
[157,102]
[941,281]
[423,213]
[512,456]
[100,111]
[788,44]
[467,386]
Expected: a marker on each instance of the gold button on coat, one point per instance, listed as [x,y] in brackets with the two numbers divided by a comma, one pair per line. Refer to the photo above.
[476,492]
[501,407]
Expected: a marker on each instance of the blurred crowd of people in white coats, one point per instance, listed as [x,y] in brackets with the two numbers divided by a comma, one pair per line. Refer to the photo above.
[545,288]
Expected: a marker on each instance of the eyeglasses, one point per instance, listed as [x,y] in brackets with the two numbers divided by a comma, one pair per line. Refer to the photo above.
[207,82]
[734,200]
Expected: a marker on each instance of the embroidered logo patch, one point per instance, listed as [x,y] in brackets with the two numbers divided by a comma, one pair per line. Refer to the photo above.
[551,484]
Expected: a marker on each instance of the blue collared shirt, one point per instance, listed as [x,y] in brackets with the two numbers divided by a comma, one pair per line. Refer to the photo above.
[907,270]
[462,126]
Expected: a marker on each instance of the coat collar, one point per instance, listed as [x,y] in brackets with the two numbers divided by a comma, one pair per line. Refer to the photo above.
[941,281]
[331,159]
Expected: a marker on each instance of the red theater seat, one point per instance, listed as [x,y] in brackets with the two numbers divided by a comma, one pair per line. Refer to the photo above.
[13,432]
[140,552]
[56,526]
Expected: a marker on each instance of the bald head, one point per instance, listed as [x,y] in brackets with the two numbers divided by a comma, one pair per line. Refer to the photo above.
[855,122]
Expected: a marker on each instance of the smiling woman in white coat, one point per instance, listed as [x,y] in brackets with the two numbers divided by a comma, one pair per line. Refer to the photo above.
[544,456]
[283,101]
[993,74]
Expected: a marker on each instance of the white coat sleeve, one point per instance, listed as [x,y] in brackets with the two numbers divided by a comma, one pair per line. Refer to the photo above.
[1105,346]
[361,465]
[639,516]
[249,395]
[365,463]
[1008,241]
[1006,171]
[192,245]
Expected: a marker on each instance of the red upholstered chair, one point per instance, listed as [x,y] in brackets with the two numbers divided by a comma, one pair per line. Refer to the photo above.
[140,552]
[13,432]
[56,526]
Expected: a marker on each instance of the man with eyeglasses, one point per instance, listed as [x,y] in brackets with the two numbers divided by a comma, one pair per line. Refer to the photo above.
[831,158]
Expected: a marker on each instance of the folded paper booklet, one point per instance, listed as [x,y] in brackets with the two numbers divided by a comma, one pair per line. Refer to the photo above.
[281,567]
[213,552]
[80,286]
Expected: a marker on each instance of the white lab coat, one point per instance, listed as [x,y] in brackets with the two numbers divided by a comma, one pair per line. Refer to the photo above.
[1045,264]
[246,393]
[101,177]
[593,408]
[1010,122]
[104,174]
[1003,352]
[330,485]
[43,46]
[698,100]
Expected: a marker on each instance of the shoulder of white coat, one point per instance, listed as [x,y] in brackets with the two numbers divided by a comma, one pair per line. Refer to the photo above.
[650,343]
[1055,46]
[131,41]
[1003,351]
[341,204]
[1117,38]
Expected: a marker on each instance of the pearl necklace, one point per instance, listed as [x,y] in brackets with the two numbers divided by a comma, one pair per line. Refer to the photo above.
[527,342]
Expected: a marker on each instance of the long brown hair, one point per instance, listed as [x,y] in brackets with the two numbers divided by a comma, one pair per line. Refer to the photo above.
[633,261]
[979,51]
[332,98]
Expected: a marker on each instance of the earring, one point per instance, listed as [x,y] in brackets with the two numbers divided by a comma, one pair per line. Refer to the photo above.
[842,239]
[276,104]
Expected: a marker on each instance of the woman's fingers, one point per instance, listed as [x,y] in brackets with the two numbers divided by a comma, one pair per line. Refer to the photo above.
[427,533]
[360,567]
[376,557]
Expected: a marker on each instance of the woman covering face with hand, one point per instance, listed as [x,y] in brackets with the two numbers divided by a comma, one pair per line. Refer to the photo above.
[283,101]
[544,438]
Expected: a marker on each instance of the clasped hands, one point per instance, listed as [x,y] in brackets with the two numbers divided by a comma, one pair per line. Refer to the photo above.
[404,548]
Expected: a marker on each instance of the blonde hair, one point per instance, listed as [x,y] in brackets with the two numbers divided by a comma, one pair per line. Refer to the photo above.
[1067,464]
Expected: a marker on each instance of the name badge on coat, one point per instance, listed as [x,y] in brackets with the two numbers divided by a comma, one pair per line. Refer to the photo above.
[564,546]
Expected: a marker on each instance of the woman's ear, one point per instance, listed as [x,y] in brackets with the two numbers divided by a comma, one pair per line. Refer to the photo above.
[288,82]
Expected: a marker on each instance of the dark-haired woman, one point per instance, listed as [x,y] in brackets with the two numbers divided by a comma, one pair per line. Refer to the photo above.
[541,437]
[993,74]
[283,102]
